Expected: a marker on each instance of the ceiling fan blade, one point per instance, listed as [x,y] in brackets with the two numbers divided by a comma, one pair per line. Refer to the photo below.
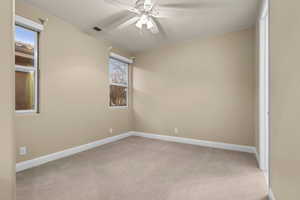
[169,10]
[123,5]
[113,21]
[192,5]
[154,3]
[160,28]
[154,28]
[171,13]
[174,13]
[128,22]
[164,15]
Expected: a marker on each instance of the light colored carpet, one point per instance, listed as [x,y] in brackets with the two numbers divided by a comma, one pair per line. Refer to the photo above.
[137,168]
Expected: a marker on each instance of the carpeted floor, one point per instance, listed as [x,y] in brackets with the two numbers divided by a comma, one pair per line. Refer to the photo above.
[137,168]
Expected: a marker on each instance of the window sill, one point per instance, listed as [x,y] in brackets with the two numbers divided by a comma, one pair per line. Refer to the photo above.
[118,107]
[21,112]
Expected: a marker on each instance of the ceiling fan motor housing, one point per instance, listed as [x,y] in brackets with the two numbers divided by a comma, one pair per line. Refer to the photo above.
[144,5]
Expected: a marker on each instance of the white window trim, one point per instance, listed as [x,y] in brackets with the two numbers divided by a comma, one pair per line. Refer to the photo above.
[128,61]
[121,58]
[118,107]
[26,23]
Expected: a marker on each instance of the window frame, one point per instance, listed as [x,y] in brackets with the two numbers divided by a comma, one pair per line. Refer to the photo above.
[33,26]
[128,62]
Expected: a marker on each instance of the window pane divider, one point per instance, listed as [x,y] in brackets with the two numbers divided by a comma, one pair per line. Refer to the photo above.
[117,84]
[119,107]
[24,69]
[26,111]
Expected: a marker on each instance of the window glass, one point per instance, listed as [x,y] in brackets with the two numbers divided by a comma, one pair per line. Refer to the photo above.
[24,89]
[118,72]
[118,95]
[25,42]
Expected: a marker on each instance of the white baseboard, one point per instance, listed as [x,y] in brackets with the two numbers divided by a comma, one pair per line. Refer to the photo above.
[271,195]
[68,152]
[218,145]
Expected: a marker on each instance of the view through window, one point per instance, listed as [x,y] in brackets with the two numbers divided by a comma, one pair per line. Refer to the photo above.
[26,48]
[118,79]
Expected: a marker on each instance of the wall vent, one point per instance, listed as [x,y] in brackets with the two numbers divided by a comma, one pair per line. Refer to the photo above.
[96,28]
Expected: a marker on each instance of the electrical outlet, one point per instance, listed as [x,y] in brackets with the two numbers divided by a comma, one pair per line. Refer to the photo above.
[23,151]
[111,130]
[176,131]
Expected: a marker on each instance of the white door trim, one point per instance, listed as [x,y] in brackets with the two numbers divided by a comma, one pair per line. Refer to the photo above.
[264,89]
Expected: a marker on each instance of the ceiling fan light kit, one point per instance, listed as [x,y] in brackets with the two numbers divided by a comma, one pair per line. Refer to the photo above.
[144,21]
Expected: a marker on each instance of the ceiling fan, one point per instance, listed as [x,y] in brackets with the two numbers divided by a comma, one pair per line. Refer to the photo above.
[147,12]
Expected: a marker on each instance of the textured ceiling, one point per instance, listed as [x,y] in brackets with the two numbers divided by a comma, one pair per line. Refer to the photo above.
[203,18]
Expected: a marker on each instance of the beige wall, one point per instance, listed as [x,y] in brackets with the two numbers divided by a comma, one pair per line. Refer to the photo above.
[285,98]
[74,91]
[7,141]
[205,88]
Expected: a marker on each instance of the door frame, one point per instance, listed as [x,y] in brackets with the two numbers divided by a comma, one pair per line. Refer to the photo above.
[264,89]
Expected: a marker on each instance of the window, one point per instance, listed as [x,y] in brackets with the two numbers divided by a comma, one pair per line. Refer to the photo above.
[26,69]
[118,83]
